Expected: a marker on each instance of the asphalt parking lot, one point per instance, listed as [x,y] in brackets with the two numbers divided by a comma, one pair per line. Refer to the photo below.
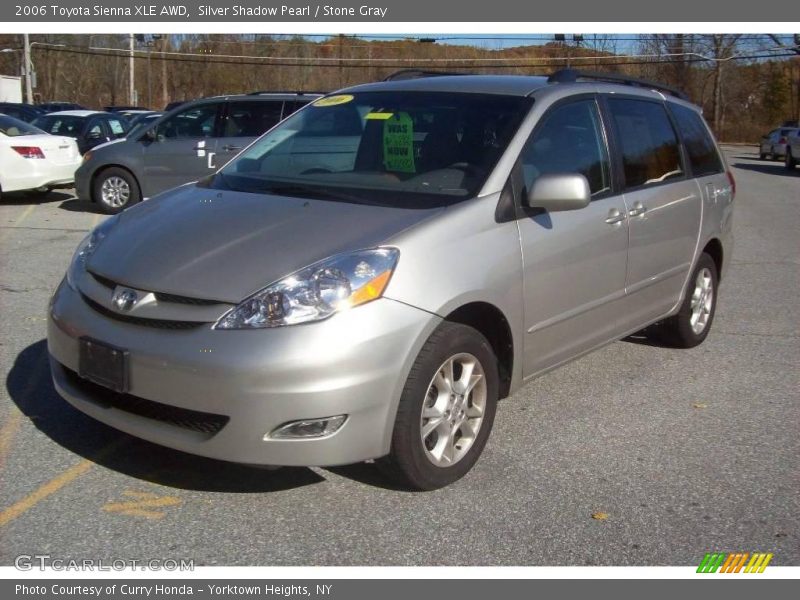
[683,451]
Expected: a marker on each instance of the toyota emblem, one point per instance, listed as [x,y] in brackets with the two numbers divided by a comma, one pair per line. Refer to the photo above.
[124,298]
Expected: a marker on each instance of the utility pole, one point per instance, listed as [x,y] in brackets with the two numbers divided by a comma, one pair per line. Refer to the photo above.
[341,67]
[27,69]
[131,75]
[164,91]
[149,78]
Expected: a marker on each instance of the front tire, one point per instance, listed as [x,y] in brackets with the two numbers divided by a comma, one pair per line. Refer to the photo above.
[446,411]
[115,189]
[690,326]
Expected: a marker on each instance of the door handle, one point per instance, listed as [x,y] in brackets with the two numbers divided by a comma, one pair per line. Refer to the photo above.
[211,164]
[229,148]
[615,216]
[637,210]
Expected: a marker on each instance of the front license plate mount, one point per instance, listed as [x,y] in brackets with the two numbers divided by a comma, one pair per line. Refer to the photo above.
[103,364]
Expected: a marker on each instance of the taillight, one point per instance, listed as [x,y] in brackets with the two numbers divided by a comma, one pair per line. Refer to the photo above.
[29,151]
[733,183]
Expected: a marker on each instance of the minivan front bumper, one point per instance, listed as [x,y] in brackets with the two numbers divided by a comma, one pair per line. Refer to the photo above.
[83,182]
[252,381]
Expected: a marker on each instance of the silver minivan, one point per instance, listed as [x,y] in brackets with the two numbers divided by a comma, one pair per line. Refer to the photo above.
[368,279]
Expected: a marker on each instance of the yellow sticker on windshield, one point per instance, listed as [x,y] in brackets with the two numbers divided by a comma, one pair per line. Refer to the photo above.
[379,116]
[333,100]
[398,143]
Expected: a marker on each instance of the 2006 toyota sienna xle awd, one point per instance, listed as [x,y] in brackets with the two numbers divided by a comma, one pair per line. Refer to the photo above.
[368,279]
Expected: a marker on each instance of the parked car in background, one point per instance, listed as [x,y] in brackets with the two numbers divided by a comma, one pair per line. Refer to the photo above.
[130,115]
[773,144]
[50,107]
[792,156]
[89,127]
[21,111]
[368,279]
[185,145]
[124,108]
[175,104]
[31,159]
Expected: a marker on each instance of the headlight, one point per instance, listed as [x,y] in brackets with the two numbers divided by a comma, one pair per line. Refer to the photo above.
[86,248]
[316,292]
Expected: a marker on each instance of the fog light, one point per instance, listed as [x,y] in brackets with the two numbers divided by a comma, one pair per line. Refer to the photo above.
[308,428]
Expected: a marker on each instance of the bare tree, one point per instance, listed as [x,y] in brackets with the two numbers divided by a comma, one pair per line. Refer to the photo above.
[794,46]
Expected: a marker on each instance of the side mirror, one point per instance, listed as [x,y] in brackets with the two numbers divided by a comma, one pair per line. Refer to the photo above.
[94,135]
[557,192]
[149,136]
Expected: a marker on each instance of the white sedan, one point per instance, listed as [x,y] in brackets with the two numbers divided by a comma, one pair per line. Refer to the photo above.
[31,159]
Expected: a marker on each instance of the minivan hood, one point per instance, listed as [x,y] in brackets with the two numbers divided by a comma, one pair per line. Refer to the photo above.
[225,245]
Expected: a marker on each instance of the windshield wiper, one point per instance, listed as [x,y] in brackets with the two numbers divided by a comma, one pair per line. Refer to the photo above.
[303,191]
[254,185]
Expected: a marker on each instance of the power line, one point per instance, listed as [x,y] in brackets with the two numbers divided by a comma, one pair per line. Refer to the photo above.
[207,59]
[339,59]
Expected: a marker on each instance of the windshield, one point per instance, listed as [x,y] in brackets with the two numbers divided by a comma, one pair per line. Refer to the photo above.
[68,125]
[395,148]
[14,127]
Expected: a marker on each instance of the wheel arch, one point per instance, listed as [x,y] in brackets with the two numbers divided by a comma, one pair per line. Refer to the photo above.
[493,324]
[714,249]
[97,172]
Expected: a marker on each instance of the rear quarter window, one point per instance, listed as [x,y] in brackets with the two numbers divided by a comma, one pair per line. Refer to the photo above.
[251,119]
[700,148]
[117,128]
[649,144]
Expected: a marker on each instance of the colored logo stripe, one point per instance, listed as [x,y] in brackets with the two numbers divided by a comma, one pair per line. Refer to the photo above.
[711,562]
[733,562]
[758,563]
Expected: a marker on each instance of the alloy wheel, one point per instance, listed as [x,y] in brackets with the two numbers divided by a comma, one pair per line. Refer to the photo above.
[452,413]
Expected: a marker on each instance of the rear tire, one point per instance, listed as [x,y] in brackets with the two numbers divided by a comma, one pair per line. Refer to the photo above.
[690,326]
[115,189]
[762,156]
[446,410]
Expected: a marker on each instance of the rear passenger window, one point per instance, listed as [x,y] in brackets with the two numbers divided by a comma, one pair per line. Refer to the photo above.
[95,129]
[650,153]
[251,119]
[703,156]
[194,122]
[569,140]
[117,128]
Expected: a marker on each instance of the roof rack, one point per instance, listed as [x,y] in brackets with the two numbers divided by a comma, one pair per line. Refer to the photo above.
[418,74]
[573,75]
[296,92]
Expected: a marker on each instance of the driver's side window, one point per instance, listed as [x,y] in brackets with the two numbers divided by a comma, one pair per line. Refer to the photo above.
[196,122]
[569,139]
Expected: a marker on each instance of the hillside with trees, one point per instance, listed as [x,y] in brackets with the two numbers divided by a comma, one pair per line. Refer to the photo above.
[746,84]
